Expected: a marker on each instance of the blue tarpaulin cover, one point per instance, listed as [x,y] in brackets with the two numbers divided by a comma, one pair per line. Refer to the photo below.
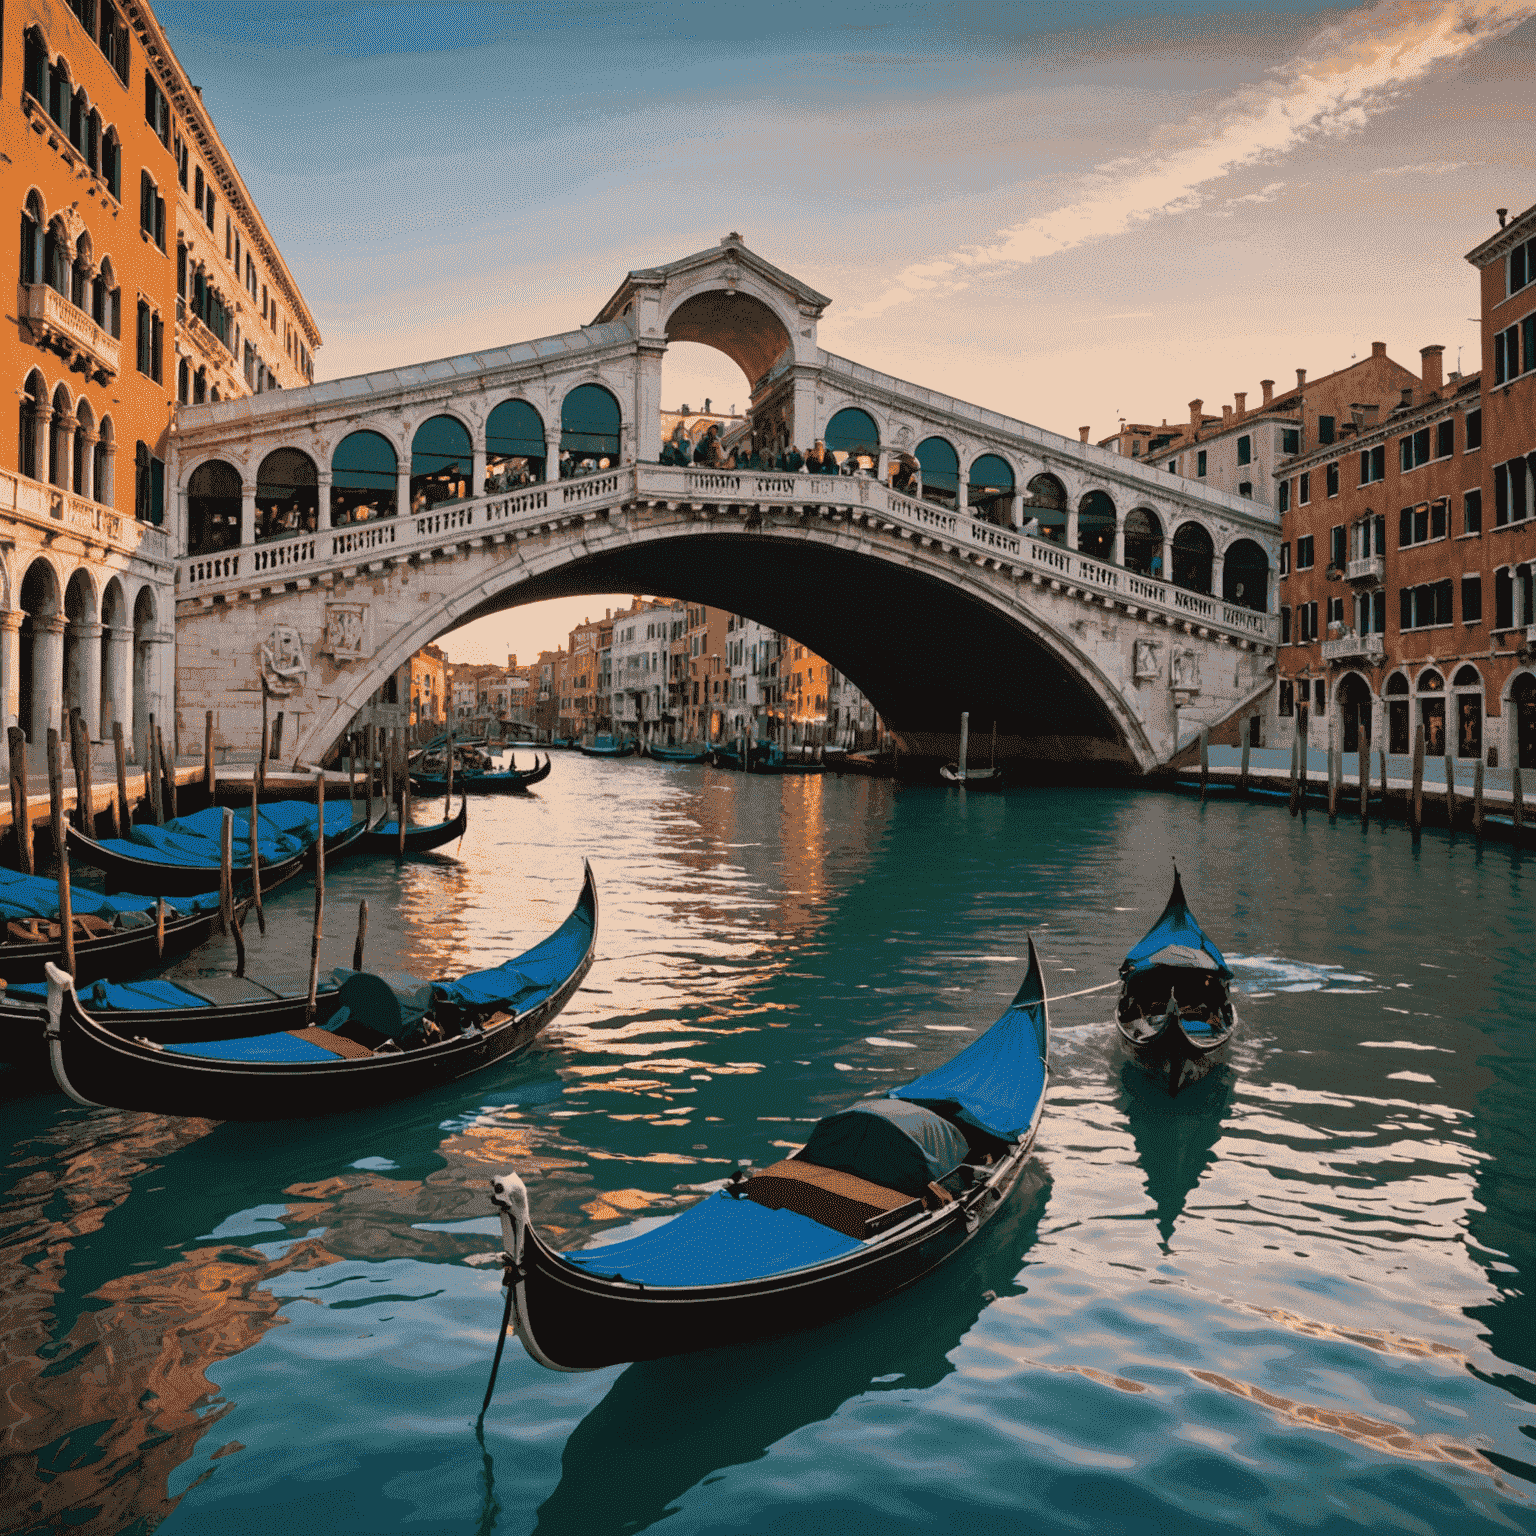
[284,829]
[24,896]
[140,995]
[521,983]
[891,1142]
[716,1242]
[1176,928]
[275,1047]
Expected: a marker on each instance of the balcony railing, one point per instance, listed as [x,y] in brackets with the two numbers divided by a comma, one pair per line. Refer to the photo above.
[1354,648]
[49,506]
[1367,568]
[55,322]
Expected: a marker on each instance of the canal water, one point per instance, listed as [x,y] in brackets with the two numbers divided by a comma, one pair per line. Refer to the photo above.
[1296,1298]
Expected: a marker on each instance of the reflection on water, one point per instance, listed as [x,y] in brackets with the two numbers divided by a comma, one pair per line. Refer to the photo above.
[1302,1286]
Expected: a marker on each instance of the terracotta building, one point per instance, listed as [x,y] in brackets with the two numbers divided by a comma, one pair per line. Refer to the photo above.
[1406,567]
[124,284]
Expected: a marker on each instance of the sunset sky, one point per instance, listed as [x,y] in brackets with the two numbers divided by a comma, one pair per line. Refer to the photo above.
[1070,213]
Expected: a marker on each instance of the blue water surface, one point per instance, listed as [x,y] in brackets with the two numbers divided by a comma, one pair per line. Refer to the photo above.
[1293,1299]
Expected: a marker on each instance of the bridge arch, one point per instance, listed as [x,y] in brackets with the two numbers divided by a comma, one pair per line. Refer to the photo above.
[1245,575]
[1194,553]
[365,478]
[515,446]
[1097,523]
[287,494]
[591,427]
[941,470]
[989,487]
[213,507]
[1143,542]
[853,429]
[752,326]
[1046,502]
[442,461]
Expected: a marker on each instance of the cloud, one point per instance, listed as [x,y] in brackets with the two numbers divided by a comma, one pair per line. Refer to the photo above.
[1349,73]
[1429,168]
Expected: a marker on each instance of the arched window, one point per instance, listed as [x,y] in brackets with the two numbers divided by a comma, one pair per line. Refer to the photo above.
[1245,576]
[1193,553]
[32,222]
[287,493]
[80,273]
[514,446]
[1144,542]
[85,420]
[1046,503]
[199,386]
[1522,700]
[852,431]
[56,259]
[941,471]
[93,141]
[441,462]
[1353,696]
[989,489]
[1096,522]
[33,394]
[1430,687]
[35,76]
[59,93]
[102,464]
[364,476]
[589,430]
[112,163]
[79,116]
[213,508]
[63,422]
[183,381]
[1468,684]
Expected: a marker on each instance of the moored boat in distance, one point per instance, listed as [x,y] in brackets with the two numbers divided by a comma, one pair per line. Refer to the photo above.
[385,837]
[972,778]
[607,746]
[683,754]
[486,781]
[385,1037]
[1175,1013]
[881,1194]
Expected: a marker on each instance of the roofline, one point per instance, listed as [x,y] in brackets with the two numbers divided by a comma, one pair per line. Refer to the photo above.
[1391,425]
[1502,239]
[187,100]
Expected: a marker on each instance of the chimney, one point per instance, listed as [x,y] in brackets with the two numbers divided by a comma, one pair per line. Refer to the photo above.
[1226,415]
[1407,398]
[1082,433]
[1378,349]
[1503,213]
[1268,386]
[1430,360]
[1301,379]
[1195,407]
[1242,404]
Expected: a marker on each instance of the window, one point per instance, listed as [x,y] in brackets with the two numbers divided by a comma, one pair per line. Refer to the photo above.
[1306,622]
[1503,598]
[142,333]
[1445,438]
[1245,450]
[1285,558]
[1331,475]
[1303,490]
[1285,495]
[1173,466]
[1520,266]
[1472,512]
[151,209]
[1335,611]
[1285,629]
[1290,441]
[1338,545]
[1304,552]
[113,39]
[229,238]
[148,486]
[1200,462]
[1287,698]
[1373,464]
[1471,599]
[1511,503]
[112,163]
[156,348]
[1304,690]
[1474,430]
[1413,526]
[1425,606]
[183,382]
[1325,430]
[210,202]
[1514,350]
[1413,450]
[157,111]
[1245,488]
[183,160]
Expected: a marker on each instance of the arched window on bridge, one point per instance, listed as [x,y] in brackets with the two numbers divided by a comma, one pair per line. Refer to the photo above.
[941,471]
[442,462]
[589,431]
[990,490]
[853,431]
[213,508]
[1045,502]
[1245,576]
[1143,542]
[287,495]
[514,447]
[364,476]
[1096,526]
[1193,554]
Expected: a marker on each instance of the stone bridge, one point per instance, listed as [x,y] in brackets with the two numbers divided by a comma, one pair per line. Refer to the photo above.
[333,530]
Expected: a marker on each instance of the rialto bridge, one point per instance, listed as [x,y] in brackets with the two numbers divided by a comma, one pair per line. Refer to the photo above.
[1094,606]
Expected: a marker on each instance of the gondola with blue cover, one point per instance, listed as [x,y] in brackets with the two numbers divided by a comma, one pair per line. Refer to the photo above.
[664,754]
[384,1037]
[881,1194]
[1175,1013]
[607,746]
[385,838]
[486,781]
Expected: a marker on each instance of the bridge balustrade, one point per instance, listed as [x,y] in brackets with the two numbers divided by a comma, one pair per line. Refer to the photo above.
[856,494]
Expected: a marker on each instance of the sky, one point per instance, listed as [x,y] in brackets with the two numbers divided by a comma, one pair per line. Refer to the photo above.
[1071,213]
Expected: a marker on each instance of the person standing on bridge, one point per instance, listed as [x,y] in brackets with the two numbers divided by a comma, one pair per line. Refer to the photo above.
[793,461]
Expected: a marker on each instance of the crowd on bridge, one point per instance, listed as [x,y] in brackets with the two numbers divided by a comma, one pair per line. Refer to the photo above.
[710,452]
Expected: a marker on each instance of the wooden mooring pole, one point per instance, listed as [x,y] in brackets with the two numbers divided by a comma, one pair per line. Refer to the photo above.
[1450,791]
[208,754]
[122,811]
[261,916]
[1416,809]
[1364,745]
[362,934]
[227,871]
[1242,772]
[314,943]
[56,804]
[80,757]
[1477,800]
[168,769]
[1519,801]
[1295,774]
[1335,773]
[1205,759]
[21,820]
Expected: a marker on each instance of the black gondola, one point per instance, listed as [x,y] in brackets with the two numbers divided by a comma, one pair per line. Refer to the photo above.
[1175,1013]
[881,1194]
[486,781]
[972,778]
[124,868]
[386,1038]
[607,746]
[385,838]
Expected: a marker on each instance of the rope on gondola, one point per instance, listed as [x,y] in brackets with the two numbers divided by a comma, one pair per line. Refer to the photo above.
[501,1344]
[1103,987]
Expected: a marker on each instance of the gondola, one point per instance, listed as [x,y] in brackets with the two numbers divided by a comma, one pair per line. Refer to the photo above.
[677,754]
[972,778]
[182,857]
[387,1037]
[1175,1013]
[881,1194]
[488,781]
[606,746]
[385,837]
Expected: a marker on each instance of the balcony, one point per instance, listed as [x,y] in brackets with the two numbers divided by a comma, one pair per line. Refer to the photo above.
[1371,568]
[1370,648]
[55,322]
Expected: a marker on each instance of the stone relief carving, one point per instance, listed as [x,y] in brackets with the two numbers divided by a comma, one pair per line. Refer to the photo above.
[1184,670]
[1147,660]
[347,631]
[284,669]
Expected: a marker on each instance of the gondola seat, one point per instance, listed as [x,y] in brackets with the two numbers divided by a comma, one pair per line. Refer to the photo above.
[842,1201]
